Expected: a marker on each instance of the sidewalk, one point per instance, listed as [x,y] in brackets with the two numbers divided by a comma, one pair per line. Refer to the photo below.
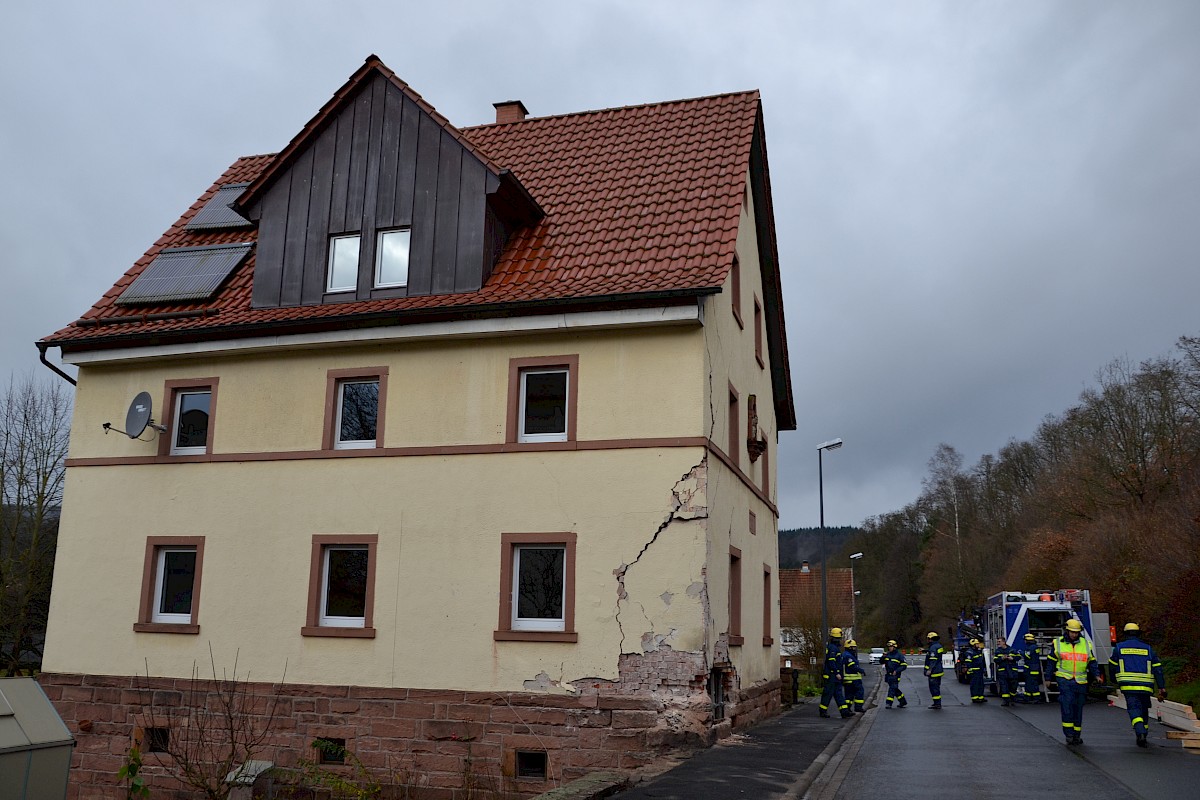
[779,758]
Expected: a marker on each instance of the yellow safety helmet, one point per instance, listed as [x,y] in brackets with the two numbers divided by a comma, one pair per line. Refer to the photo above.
[891,642]
[1132,627]
[976,643]
[851,643]
[931,635]
[1074,625]
[1029,637]
[835,633]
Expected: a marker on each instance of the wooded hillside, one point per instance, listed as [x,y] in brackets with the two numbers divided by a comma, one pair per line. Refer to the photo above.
[1104,496]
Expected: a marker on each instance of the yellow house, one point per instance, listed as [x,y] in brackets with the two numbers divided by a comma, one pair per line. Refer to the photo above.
[472,429]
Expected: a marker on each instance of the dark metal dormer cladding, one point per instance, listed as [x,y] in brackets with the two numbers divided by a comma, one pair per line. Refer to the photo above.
[376,159]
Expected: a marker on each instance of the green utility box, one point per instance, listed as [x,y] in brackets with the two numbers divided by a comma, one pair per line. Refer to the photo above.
[35,745]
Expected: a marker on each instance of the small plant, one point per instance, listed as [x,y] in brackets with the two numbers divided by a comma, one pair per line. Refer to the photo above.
[361,785]
[136,788]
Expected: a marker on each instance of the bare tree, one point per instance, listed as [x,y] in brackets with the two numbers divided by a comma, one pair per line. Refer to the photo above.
[210,728]
[34,423]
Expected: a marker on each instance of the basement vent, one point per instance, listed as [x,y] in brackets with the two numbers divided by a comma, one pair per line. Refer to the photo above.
[532,764]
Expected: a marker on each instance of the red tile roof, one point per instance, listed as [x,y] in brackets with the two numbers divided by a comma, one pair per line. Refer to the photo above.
[800,596]
[641,200]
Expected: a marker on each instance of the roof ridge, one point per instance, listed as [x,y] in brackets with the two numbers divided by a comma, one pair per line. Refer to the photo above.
[753,92]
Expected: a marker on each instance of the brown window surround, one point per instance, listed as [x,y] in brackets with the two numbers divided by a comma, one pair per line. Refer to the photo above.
[735,427]
[149,575]
[735,291]
[753,524]
[735,598]
[171,389]
[313,627]
[508,546]
[333,381]
[768,639]
[758,333]
[512,427]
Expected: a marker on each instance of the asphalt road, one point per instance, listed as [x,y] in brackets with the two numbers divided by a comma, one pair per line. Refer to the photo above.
[988,751]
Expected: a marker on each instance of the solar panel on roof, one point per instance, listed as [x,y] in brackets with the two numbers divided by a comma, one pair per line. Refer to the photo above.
[185,273]
[217,213]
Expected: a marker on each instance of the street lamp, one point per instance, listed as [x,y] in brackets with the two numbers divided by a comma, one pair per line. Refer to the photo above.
[854,595]
[832,444]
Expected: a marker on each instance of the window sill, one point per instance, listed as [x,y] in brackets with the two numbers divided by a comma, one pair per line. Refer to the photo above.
[165,627]
[338,633]
[535,636]
[768,641]
[736,641]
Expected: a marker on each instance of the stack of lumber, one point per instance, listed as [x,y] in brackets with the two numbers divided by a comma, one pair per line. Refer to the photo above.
[1173,715]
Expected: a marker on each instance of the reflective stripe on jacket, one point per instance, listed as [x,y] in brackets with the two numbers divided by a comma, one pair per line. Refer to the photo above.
[1138,668]
[894,663]
[851,671]
[833,660]
[1074,660]
[933,659]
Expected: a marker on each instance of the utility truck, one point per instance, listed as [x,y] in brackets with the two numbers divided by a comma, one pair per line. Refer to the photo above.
[1010,615]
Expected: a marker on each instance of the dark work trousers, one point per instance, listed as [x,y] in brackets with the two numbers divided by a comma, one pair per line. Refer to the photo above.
[894,694]
[1137,703]
[1007,681]
[1033,685]
[855,695]
[1071,697]
[833,691]
[935,690]
[977,686]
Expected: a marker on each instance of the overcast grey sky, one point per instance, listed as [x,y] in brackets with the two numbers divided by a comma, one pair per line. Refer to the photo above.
[978,203]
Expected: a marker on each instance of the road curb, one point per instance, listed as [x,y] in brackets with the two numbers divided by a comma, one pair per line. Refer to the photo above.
[810,775]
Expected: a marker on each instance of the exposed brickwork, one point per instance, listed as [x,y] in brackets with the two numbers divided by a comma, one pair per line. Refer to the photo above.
[428,736]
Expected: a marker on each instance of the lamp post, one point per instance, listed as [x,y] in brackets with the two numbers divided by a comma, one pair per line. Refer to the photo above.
[854,595]
[832,444]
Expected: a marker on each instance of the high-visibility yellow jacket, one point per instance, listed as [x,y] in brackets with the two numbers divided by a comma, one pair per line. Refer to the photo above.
[1074,660]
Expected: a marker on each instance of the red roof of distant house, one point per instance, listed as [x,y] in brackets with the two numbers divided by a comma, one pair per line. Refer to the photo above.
[800,596]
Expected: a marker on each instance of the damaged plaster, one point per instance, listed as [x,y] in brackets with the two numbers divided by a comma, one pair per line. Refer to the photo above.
[668,575]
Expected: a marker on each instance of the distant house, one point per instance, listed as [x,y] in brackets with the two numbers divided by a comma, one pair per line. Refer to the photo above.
[475,429]
[800,606]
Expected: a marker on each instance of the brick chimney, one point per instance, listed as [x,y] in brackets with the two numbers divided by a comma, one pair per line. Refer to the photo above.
[510,111]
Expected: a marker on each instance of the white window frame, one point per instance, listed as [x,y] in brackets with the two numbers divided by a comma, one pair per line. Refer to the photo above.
[535,623]
[522,436]
[354,444]
[333,242]
[379,282]
[160,565]
[324,620]
[177,419]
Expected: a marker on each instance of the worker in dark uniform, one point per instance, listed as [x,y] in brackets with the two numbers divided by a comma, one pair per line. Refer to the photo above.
[973,661]
[894,664]
[1005,658]
[934,669]
[832,676]
[852,678]
[1032,655]
[1138,671]
[1074,667]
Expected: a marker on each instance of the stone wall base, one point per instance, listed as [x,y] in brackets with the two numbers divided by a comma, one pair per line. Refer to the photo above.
[443,742]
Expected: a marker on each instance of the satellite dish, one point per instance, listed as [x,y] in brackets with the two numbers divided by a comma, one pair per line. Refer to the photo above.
[138,416]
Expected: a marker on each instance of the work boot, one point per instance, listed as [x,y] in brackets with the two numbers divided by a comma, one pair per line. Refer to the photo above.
[903,703]
[1141,740]
[889,705]
[824,715]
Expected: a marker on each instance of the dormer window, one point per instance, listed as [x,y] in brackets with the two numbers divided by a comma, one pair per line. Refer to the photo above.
[343,264]
[391,259]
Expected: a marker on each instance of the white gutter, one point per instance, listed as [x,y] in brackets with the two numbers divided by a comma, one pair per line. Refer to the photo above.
[457,329]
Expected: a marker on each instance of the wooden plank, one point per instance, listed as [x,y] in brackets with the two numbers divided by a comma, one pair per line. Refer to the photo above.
[297,230]
[389,151]
[268,255]
[316,256]
[341,171]
[472,211]
[424,213]
[356,190]
[406,164]
[445,237]
[1189,736]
